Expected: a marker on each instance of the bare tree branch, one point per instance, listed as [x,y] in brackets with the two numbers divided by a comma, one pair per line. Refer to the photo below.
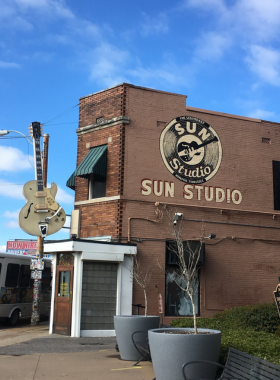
[186,273]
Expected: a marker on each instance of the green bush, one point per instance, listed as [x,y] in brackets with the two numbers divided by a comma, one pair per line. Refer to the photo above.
[252,329]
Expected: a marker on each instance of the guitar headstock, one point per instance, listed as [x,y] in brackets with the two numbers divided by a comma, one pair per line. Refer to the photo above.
[35,130]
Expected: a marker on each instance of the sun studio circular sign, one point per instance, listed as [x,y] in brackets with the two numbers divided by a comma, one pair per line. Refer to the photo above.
[191,149]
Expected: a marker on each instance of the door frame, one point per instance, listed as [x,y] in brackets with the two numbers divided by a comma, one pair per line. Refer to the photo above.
[63,300]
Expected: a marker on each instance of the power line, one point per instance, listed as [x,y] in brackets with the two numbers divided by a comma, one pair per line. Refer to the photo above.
[71,122]
[63,113]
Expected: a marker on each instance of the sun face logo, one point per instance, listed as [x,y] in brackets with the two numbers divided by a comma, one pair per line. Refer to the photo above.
[190,149]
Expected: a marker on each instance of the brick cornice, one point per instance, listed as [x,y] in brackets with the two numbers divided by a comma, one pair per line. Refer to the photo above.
[104,124]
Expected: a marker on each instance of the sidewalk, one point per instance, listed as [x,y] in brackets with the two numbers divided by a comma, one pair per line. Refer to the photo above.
[30,353]
[96,365]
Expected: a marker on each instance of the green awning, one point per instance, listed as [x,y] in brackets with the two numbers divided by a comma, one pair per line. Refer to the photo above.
[95,162]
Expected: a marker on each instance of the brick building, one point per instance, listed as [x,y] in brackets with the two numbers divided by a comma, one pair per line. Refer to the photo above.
[143,153]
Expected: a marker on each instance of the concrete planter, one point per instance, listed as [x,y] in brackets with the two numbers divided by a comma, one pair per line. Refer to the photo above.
[125,326]
[170,351]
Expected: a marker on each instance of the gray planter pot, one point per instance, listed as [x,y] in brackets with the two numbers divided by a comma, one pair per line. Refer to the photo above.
[125,326]
[170,351]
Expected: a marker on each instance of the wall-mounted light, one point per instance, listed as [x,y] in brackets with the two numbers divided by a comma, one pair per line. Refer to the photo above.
[212,236]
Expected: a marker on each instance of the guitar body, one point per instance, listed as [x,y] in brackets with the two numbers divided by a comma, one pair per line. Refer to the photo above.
[40,205]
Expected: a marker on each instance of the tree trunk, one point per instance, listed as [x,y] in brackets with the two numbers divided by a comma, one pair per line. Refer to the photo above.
[146,303]
[194,313]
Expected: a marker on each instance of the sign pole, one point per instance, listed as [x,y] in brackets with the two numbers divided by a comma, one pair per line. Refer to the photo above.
[35,316]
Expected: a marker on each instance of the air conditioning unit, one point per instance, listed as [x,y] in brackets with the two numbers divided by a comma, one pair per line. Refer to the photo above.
[171,249]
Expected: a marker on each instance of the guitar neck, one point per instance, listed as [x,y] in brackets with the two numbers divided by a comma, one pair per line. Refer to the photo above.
[38,160]
[208,142]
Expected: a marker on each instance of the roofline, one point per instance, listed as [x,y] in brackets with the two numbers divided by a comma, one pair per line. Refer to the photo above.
[194,109]
[132,85]
[89,241]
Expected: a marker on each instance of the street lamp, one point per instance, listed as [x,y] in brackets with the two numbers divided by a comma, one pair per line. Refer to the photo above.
[4,132]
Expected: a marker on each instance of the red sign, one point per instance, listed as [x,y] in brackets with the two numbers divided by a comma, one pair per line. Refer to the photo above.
[22,245]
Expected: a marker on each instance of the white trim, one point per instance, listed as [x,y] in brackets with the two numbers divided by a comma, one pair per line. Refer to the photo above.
[101,256]
[97,333]
[119,284]
[54,264]
[77,297]
[82,246]
[98,200]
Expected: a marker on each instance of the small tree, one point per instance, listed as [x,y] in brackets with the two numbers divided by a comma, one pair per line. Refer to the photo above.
[186,273]
[141,277]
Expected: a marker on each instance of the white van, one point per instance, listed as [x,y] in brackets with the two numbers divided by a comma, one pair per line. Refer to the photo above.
[16,287]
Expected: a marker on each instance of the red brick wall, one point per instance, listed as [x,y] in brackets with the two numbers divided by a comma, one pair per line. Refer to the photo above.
[242,263]
[108,104]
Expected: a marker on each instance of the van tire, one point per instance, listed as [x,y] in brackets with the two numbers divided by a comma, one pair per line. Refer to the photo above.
[13,320]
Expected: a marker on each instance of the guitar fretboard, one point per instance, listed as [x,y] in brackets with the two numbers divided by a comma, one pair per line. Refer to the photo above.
[36,136]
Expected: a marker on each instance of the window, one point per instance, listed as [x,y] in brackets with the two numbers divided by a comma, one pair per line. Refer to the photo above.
[12,275]
[24,276]
[177,301]
[97,186]
[276,184]
[46,279]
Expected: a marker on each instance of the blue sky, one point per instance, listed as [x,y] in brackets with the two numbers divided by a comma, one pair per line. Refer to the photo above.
[223,54]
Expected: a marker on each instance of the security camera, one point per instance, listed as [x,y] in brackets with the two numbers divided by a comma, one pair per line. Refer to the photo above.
[176,217]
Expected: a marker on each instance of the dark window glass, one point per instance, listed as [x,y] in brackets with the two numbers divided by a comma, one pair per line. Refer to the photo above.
[276,184]
[177,301]
[46,279]
[12,275]
[24,276]
[196,247]
[97,186]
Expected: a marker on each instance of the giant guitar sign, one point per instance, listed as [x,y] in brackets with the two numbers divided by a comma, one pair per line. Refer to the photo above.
[41,215]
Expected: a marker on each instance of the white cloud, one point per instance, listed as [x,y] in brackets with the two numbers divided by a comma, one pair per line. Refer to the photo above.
[62,196]
[261,114]
[53,7]
[108,64]
[22,14]
[155,25]
[11,214]
[158,76]
[204,5]
[211,46]
[265,63]
[252,20]
[2,248]
[9,65]
[15,160]
[260,19]
[11,224]
[11,190]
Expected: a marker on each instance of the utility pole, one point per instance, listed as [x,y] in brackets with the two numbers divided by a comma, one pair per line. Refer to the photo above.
[35,316]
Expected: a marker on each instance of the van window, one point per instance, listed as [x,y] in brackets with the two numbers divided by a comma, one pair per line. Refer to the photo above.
[24,276]
[12,275]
